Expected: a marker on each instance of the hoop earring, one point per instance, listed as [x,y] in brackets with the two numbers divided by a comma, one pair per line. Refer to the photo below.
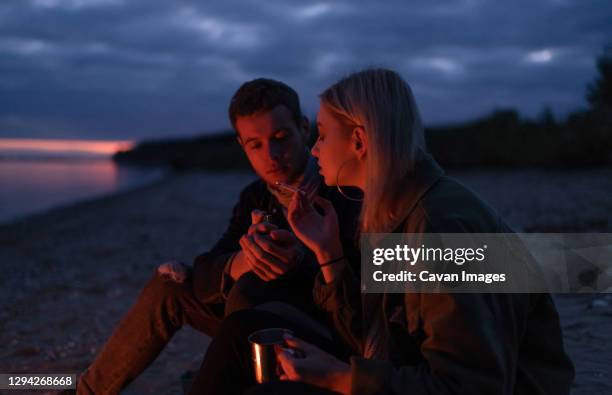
[338,183]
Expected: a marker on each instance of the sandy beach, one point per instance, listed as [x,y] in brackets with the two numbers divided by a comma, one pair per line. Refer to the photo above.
[69,274]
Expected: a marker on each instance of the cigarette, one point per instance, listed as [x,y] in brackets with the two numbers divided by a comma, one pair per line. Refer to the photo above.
[288,187]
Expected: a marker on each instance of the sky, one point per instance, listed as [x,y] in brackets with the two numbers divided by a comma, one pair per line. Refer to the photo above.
[141,69]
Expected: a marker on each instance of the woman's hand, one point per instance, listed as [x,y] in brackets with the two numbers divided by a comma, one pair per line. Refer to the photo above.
[318,231]
[314,366]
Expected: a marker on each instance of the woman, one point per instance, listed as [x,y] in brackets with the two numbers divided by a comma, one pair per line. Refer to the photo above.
[371,137]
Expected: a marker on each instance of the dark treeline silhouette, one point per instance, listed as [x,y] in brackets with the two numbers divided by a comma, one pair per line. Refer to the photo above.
[503,138]
[213,152]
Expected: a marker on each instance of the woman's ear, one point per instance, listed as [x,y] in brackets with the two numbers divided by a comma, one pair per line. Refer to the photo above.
[360,142]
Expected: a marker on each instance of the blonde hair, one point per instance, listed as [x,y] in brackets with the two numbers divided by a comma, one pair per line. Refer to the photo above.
[381,102]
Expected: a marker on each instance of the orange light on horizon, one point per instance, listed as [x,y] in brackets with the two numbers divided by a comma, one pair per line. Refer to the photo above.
[93,147]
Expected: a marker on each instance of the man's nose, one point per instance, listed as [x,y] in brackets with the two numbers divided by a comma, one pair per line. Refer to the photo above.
[275,152]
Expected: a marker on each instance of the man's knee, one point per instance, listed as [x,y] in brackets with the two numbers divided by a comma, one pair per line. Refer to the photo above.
[162,289]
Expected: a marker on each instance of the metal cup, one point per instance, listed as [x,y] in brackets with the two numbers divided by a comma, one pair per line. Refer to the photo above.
[264,355]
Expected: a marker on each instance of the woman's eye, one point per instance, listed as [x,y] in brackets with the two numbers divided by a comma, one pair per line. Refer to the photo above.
[254,146]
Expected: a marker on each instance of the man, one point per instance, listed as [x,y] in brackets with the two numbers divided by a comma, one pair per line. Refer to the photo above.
[257,260]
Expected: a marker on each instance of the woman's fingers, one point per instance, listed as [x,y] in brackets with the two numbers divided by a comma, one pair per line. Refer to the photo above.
[300,204]
[300,344]
[304,348]
[304,202]
[325,204]
[294,213]
[294,203]
[294,343]
[287,364]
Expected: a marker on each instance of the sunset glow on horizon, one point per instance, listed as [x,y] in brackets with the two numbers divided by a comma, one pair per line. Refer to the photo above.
[69,147]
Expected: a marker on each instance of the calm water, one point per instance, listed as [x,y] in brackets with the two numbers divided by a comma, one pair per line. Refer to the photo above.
[30,186]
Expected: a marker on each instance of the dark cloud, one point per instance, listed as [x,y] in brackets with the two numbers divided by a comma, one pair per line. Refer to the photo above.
[151,68]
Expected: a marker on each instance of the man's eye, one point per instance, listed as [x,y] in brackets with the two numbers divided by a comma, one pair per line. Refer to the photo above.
[254,146]
[281,136]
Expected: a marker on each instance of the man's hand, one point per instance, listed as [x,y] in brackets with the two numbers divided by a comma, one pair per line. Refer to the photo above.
[314,366]
[174,270]
[269,252]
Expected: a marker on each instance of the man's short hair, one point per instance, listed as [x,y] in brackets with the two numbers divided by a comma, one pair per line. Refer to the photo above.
[264,94]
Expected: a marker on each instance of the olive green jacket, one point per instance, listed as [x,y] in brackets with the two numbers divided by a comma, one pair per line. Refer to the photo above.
[451,343]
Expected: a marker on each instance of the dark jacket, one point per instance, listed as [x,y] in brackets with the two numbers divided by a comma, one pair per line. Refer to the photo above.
[452,343]
[212,284]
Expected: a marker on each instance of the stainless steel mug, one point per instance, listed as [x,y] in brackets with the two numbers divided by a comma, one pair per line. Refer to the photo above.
[263,353]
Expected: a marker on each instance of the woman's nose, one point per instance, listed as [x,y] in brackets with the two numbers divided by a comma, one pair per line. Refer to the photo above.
[315,151]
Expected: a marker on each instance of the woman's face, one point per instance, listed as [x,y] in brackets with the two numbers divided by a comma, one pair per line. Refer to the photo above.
[334,148]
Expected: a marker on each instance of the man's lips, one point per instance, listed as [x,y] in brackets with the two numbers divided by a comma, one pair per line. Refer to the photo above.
[277,170]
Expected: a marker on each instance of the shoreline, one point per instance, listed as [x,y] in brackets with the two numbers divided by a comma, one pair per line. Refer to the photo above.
[167,174]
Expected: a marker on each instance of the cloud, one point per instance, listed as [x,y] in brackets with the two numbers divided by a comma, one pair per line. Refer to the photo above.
[74,4]
[541,56]
[150,68]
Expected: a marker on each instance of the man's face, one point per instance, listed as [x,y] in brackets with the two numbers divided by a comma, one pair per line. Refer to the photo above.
[274,144]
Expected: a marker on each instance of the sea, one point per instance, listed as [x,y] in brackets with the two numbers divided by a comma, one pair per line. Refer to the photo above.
[38,175]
